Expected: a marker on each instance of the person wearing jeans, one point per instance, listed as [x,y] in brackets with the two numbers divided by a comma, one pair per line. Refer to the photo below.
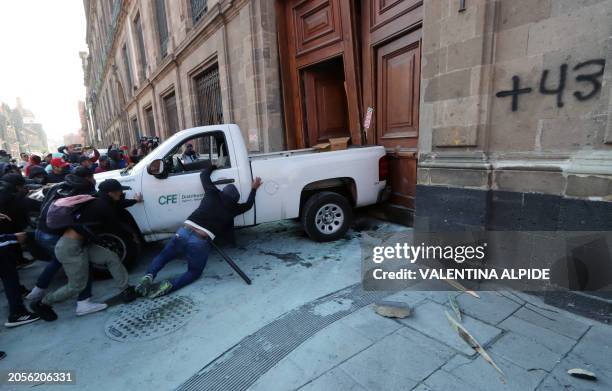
[186,243]
[214,216]
[76,249]
[81,182]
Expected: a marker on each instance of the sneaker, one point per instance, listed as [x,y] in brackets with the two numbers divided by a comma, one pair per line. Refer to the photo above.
[26,317]
[2,355]
[144,286]
[87,306]
[44,311]
[129,294]
[164,288]
[36,294]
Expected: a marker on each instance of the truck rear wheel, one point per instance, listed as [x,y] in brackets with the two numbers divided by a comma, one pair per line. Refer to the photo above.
[124,243]
[326,216]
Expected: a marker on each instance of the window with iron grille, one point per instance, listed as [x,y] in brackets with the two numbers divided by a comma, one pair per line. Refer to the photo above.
[208,97]
[162,26]
[198,9]
[150,120]
[171,113]
[135,128]
[128,69]
[141,47]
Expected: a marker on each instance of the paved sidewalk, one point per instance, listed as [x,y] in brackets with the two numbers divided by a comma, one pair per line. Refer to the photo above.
[532,343]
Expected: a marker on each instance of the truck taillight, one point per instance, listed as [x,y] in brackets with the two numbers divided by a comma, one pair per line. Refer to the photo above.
[383,168]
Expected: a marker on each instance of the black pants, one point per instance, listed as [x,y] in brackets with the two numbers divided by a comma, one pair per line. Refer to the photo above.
[10,278]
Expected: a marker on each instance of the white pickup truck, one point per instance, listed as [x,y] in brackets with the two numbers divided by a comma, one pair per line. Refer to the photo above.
[321,188]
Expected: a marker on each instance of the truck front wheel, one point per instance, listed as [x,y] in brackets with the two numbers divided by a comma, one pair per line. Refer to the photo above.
[125,243]
[326,216]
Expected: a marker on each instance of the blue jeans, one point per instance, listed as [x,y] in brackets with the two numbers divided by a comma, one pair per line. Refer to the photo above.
[48,241]
[190,245]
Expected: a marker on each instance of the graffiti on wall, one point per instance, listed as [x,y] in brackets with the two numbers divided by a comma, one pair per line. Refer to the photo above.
[587,74]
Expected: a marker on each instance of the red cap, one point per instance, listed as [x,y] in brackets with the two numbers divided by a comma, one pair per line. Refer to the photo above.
[124,148]
[59,162]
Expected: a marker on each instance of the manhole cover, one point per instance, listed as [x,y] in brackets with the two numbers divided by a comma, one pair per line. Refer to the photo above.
[149,319]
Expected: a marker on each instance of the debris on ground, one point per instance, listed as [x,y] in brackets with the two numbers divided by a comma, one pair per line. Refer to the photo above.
[474,344]
[582,374]
[392,309]
[455,306]
[460,287]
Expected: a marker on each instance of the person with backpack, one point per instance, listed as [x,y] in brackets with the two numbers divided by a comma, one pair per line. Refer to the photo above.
[213,217]
[81,182]
[80,217]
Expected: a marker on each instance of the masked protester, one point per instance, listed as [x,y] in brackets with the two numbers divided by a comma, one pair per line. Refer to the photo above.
[76,248]
[215,216]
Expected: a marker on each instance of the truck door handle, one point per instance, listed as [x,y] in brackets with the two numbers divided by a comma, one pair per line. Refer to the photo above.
[223,181]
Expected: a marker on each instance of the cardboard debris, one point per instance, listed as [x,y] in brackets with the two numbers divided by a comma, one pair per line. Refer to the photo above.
[474,344]
[339,143]
[582,374]
[322,147]
[455,306]
[392,309]
[461,287]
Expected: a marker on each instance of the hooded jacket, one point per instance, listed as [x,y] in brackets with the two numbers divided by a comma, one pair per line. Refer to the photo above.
[217,209]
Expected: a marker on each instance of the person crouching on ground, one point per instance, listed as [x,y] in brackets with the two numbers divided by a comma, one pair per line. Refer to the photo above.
[76,249]
[214,216]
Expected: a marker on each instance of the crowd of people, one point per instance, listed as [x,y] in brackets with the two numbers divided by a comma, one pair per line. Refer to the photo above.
[54,167]
[71,215]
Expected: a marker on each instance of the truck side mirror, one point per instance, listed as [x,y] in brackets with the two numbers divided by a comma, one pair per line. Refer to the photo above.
[157,169]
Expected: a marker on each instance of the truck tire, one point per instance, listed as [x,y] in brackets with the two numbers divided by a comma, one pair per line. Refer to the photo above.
[123,243]
[326,216]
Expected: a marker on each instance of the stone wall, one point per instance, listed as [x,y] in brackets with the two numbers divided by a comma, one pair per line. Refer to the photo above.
[516,97]
[238,36]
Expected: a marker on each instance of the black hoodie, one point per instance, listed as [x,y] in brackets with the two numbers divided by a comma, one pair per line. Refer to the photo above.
[217,209]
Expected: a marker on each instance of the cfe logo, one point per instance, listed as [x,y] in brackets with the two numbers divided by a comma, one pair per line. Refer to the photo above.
[168,199]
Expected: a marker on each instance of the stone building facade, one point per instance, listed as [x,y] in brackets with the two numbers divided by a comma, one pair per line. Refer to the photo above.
[516,131]
[159,66]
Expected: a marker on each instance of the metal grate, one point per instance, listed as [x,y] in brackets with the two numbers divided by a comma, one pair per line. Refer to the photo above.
[198,9]
[150,319]
[208,96]
[238,368]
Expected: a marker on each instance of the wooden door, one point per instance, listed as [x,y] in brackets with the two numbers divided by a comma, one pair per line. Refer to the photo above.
[310,33]
[325,102]
[391,57]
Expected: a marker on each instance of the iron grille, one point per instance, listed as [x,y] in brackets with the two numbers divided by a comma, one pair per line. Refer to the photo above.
[198,9]
[162,26]
[208,97]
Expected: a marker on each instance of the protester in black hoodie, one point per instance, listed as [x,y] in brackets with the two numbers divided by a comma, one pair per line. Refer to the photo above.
[214,216]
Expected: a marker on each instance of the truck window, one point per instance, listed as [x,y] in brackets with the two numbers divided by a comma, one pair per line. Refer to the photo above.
[197,153]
